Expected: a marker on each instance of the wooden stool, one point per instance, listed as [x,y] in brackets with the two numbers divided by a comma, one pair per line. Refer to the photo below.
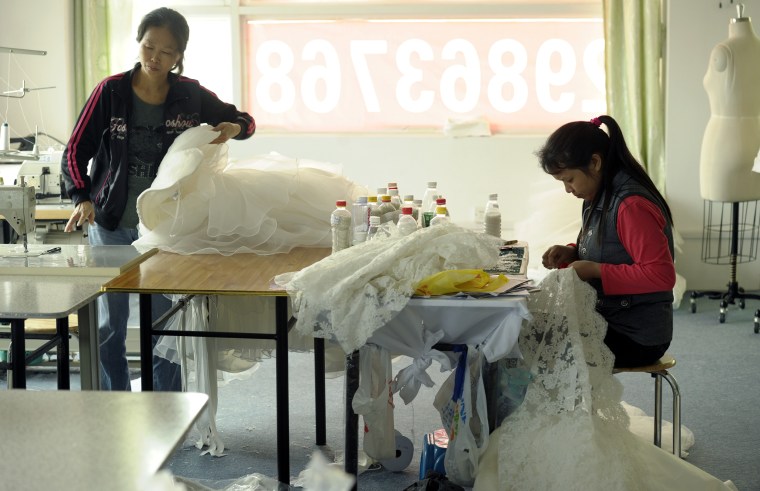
[659,371]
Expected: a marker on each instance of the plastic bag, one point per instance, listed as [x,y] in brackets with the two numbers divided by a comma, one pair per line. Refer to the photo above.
[459,280]
[511,383]
[461,401]
[374,401]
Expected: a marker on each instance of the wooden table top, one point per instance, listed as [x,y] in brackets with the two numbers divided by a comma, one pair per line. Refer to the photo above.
[214,274]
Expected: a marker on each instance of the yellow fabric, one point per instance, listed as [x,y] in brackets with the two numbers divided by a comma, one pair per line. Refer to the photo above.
[459,280]
[634,38]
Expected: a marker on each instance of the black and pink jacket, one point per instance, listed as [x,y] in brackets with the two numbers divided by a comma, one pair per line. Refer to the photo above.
[101,134]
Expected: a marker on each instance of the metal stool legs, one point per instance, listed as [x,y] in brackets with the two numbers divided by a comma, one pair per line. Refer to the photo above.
[658,377]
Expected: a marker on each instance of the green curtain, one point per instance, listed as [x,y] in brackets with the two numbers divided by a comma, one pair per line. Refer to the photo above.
[634,36]
[91,57]
[100,29]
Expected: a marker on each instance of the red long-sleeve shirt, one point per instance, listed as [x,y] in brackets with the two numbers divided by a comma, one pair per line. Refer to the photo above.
[639,226]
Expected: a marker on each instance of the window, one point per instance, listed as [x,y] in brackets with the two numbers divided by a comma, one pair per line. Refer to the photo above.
[358,66]
[370,75]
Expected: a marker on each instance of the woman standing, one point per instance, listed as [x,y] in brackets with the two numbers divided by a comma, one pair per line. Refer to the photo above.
[126,127]
[625,246]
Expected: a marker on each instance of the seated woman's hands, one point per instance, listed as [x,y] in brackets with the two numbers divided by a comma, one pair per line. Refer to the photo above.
[559,256]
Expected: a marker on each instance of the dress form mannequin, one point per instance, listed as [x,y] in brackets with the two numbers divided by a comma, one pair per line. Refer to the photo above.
[732,137]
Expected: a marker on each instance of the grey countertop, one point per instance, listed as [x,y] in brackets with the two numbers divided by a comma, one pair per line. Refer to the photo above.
[75,440]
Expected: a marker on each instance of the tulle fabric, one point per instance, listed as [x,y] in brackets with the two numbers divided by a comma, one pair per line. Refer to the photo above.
[201,203]
[571,431]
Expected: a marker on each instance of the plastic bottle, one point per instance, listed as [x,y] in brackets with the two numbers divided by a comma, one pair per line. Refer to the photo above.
[440,201]
[428,198]
[429,212]
[409,201]
[340,222]
[360,214]
[417,208]
[372,204]
[406,222]
[441,216]
[492,216]
[386,211]
[5,137]
[380,193]
[395,198]
[374,227]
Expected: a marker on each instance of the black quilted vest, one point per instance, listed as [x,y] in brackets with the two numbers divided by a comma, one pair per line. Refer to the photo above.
[645,318]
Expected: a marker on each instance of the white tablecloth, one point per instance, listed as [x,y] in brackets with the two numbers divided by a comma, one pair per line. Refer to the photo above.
[491,324]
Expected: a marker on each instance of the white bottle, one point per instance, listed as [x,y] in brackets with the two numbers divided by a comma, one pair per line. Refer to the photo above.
[340,222]
[360,217]
[429,197]
[406,222]
[429,212]
[441,216]
[492,217]
[417,207]
[5,137]
[386,211]
[395,198]
[373,204]
[380,193]
[374,227]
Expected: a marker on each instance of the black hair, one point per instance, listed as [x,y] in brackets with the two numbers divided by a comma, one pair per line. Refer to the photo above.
[573,145]
[177,25]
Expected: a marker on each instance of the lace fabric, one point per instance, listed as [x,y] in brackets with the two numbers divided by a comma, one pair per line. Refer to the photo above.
[571,431]
[350,294]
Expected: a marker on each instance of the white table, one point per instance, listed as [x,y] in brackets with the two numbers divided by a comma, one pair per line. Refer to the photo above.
[52,286]
[76,440]
[492,324]
[40,297]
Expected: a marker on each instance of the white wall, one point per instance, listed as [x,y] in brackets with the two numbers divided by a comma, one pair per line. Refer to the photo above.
[43,25]
[467,170]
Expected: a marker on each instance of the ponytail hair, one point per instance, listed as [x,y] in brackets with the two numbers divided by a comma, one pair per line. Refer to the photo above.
[573,145]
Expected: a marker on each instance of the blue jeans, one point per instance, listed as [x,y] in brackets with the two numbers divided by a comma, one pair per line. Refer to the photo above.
[113,314]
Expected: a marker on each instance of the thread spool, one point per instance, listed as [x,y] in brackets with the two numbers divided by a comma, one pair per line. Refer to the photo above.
[404,454]
[5,137]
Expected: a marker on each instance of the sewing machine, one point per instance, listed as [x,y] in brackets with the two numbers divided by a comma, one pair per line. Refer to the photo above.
[43,174]
[17,206]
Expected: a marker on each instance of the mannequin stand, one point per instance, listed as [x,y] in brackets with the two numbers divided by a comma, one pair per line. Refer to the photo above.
[740,232]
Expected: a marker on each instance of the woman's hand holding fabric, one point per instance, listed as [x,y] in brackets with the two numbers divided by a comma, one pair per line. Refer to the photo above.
[586,270]
[226,131]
